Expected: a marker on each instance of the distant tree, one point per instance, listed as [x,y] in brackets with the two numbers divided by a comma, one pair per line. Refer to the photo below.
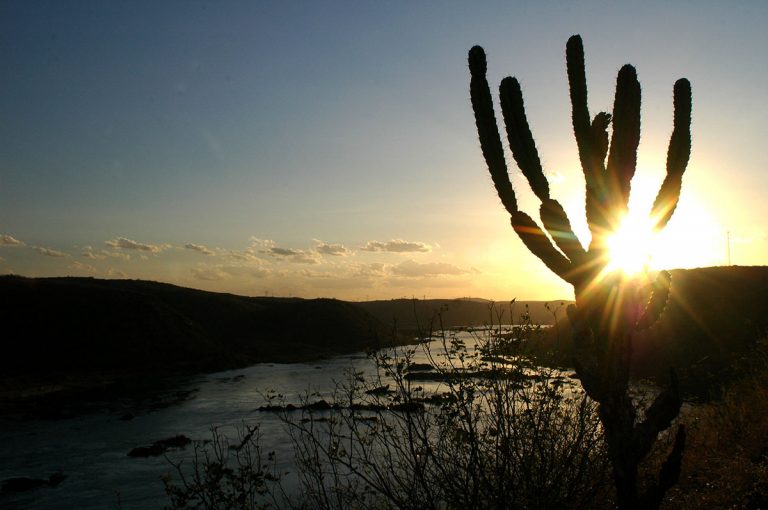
[609,308]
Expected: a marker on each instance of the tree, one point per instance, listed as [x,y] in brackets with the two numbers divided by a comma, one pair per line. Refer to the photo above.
[609,308]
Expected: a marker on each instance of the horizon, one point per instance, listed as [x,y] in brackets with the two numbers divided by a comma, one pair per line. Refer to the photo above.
[399,298]
[330,150]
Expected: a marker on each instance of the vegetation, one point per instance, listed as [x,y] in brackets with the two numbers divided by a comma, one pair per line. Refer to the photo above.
[479,427]
[726,462]
[486,429]
[225,476]
[609,309]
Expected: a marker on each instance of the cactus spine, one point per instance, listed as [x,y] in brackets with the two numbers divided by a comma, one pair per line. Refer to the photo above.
[607,307]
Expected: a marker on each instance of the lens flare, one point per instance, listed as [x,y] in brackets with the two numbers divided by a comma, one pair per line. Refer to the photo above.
[631,246]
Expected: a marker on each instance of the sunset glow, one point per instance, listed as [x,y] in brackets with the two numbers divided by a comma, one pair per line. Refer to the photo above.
[693,237]
[243,149]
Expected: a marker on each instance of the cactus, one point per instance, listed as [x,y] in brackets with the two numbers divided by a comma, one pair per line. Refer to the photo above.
[608,307]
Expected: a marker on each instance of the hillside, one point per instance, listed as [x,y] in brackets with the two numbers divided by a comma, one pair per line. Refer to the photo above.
[708,330]
[412,314]
[61,326]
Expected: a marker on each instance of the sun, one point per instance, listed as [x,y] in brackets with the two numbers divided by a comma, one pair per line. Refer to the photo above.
[630,248]
[693,238]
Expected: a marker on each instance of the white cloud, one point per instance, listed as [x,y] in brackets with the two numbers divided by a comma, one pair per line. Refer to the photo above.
[369,270]
[268,247]
[49,252]
[261,244]
[209,273]
[116,273]
[128,244]
[292,255]
[88,253]
[316,274]
[413,269]
[79,266]
[337,250]
[397,246]
[243,255]
[6,240]
[214,273]
[199,248]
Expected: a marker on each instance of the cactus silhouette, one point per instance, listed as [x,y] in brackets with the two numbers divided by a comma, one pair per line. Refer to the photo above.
[609,307]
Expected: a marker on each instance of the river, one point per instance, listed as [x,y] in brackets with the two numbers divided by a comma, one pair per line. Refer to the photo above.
[91,449]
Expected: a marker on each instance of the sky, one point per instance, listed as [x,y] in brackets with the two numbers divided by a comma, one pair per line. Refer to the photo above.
[328,149]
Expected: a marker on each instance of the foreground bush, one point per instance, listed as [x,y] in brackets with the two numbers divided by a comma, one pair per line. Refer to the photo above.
[225,475]
[475,427]
[494,433]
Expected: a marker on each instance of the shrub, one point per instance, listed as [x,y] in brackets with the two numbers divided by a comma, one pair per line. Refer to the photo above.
[490,431]
[225,476]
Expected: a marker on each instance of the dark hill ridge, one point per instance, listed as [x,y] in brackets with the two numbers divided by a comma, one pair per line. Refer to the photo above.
[60,328]
[708,332]
[715,316]
[411,314]
[65,325]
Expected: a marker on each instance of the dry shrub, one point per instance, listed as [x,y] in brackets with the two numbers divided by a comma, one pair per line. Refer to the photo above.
[725,464]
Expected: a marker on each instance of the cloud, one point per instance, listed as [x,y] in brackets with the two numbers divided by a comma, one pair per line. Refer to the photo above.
[216,273]
[79,266]
[337,250]
[396,246]
[261,244]
[292,255]
[88,253]
[369,270]
[316,274]
[116,273]
[209,273]
[6,240]
[102,254]
[199,248]
[243,255]
[128,244]
[268,247]
[49,252]
[413,269]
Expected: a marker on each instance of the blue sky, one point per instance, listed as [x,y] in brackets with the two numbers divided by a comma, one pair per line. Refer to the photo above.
[328,148]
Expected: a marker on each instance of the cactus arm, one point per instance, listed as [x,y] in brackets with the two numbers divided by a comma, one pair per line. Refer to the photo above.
[668,475]
[520,138]
[539,244]
[487,129]
[599,129]
[658,417]
[622,160]
[678,154]
[577,81]
[527,157]
[658,301]
[559,227]
[585,135]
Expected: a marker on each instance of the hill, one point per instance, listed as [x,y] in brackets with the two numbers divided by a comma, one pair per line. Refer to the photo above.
[414,314]
[708,331]
[59,328]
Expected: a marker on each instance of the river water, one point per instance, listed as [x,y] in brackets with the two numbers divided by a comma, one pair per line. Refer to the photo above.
[91,449]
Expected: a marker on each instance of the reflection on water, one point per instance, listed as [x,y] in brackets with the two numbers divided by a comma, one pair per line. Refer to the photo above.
[91,450]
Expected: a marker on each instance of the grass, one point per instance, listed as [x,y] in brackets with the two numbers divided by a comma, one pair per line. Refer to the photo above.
[725,464]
